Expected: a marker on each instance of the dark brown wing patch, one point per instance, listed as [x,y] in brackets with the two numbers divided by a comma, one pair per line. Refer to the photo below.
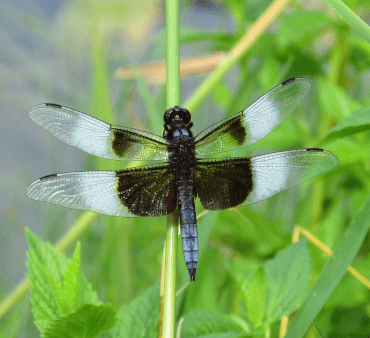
[222,184]
[148,191]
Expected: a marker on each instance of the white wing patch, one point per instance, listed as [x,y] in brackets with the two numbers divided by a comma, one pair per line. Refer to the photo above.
[72,127]
[269,177]
[91,190]
[97,137]
[275,172]
[260,122]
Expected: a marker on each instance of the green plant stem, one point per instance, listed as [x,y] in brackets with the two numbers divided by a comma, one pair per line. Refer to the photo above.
[350,18]
[332,274]
[173,99]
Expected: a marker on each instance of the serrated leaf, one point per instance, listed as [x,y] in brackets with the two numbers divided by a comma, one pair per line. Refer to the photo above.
[358,122]
[46,254]
[88,294]
[212,324]
[140,318]
[87,322]
[287,278]
[54,282]
[45,272]
[72,281]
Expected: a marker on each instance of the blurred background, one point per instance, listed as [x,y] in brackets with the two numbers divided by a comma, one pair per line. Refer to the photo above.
[88,55]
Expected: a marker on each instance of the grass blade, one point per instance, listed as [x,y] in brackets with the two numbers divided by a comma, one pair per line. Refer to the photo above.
[332,274]
[351,18]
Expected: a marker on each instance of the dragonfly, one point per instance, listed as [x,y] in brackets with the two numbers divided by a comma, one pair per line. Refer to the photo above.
[185,172]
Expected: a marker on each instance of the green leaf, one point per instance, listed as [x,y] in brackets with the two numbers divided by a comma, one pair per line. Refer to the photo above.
[358,122]
[348,294]
[221,40]
[45,272]
[252,286]
[334,100]
[287,277]
[351,18]
[332,273]
[140,318]
[57,286]
[88,322]
[211,324]
[350,322]
[255,298]
[72,280]
[360,52]
[349,151]
[296,26]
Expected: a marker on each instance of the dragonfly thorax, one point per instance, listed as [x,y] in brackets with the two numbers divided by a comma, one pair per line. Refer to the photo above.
[183,151]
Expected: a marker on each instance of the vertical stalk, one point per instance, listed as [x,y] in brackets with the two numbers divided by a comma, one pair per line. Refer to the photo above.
[173,99]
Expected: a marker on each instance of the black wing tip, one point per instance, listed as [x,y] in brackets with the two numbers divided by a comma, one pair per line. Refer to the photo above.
[35,111]
[288,81]
[302,79]
[315,149]
[54,105]
[192,274]
[30,191]
[48,176]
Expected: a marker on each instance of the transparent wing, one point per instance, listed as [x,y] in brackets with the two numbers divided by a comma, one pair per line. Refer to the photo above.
[97,137]
[256,121]
[227,183]
[143,191]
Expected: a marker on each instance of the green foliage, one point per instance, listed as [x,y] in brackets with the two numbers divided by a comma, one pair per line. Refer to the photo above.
[210,324]
[358,122]
[254,292]
[276,288]
[87,322]
[240,289]
[287,278]
[64,304]
[331,96]
[302,25]
[140,318]
[332,273]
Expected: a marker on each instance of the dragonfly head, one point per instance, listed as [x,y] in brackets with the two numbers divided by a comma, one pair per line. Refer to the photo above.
[177,115]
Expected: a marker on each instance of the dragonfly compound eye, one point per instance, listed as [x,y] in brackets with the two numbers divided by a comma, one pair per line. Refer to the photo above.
[184,115]
[169,115]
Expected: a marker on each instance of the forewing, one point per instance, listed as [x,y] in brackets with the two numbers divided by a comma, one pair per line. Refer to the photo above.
[143,191]
[97,137]
[227,183]
[256,121]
